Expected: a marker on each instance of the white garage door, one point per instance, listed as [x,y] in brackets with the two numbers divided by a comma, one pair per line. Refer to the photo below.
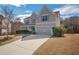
[44,30]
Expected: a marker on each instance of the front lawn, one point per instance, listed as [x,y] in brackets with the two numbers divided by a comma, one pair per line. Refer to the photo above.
[67,45]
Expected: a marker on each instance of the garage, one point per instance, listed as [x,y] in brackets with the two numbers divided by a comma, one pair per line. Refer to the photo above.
[44,30]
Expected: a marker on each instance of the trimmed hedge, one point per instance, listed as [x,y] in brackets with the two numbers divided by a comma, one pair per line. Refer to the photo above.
[58,32]
[23,32]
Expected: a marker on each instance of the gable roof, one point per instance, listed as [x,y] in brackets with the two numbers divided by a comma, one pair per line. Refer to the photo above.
[45,8]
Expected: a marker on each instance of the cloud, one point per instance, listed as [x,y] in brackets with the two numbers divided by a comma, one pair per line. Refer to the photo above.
[68,10]
[28,11]
[23,16]
[12,2]
[64,17]
[22,2]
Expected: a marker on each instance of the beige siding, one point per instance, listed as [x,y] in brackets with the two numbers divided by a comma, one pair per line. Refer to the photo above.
[45,27]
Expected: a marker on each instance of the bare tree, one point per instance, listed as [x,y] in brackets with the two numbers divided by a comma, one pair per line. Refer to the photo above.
[1,18]
[8,14]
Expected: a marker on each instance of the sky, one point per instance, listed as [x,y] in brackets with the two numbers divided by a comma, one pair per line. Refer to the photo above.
[66,10]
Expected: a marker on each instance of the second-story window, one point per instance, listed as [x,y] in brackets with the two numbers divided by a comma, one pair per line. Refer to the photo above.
[33,21]
[27,22]
[45,17]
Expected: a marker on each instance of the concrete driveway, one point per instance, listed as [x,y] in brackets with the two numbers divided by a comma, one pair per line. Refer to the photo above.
[25,46]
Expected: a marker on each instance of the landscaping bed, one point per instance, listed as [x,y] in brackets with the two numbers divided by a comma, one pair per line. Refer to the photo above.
[11,38]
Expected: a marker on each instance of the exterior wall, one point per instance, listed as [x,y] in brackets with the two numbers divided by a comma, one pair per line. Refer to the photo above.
[30,22]
[57,19]
[15,26]
[30,27]
[45,27]
[23,27]
[4,27]
[4,31]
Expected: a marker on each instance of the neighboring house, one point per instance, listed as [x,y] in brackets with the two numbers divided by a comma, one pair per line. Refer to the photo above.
[16,26]
[3,26]
[43,22]
[72,24]
[31,22]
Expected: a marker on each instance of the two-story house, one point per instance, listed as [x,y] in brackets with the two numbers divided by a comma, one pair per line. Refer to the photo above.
[43,22]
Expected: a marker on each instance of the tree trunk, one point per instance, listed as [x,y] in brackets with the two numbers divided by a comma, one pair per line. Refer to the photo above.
[7,29]
[0,31]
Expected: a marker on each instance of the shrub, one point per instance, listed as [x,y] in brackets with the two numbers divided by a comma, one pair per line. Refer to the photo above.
[23,32]
[57,32]
[5,38]
[64,28]
[5,33]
